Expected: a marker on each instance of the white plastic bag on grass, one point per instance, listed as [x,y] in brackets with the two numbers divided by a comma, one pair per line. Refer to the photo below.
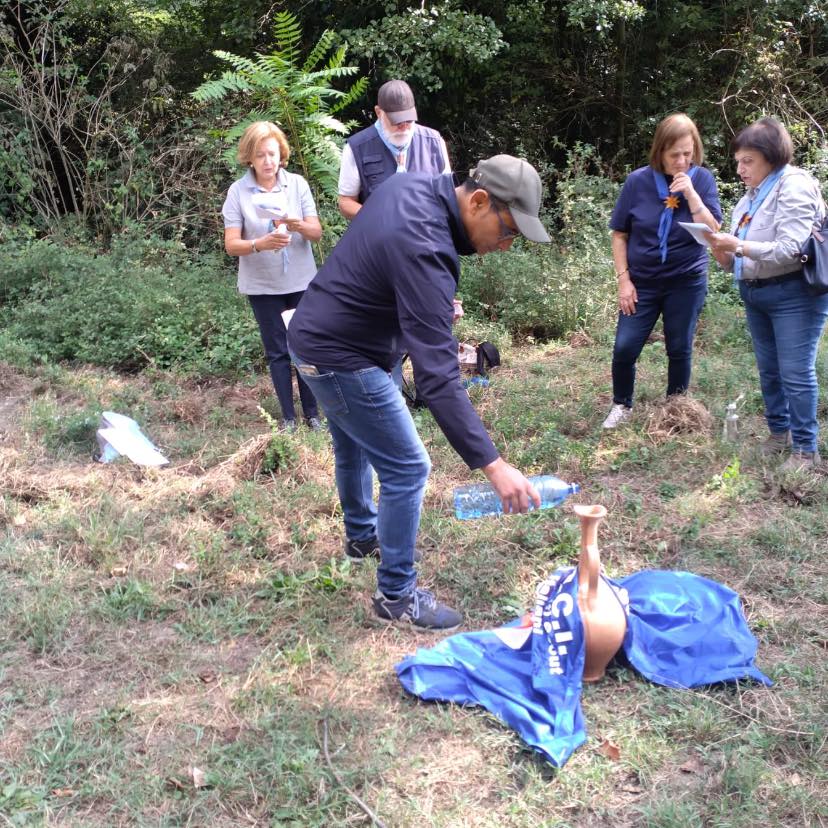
[120,435]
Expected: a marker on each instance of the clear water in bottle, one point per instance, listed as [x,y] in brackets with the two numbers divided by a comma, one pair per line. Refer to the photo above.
[481,500]
[731,424]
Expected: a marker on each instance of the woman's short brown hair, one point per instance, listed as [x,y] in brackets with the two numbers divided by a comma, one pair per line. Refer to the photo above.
[768,137]
[673,128]
[257,132]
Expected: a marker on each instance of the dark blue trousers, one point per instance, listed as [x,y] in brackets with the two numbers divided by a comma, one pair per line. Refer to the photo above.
[268,308]
[679,302]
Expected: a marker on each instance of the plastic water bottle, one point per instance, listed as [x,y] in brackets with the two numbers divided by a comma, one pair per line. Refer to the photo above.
[731,424]
[481,500]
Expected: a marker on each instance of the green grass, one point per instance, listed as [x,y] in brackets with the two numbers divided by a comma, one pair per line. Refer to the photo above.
[157,621]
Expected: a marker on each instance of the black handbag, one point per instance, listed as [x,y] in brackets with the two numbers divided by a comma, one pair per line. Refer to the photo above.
[814,258]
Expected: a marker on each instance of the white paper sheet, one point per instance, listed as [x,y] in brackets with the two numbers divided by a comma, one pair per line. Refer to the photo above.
[697,231]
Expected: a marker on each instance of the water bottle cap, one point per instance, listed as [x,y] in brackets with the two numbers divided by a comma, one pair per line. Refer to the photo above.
[575,487]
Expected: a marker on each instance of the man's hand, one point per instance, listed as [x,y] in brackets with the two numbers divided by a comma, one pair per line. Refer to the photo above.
[513,489]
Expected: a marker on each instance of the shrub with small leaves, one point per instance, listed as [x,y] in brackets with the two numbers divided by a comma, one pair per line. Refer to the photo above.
[280,451]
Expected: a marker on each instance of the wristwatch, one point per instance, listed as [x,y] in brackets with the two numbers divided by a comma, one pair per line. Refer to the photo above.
[739,251]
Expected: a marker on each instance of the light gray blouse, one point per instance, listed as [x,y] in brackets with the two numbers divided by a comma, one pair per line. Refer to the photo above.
[781,225]
[270,272]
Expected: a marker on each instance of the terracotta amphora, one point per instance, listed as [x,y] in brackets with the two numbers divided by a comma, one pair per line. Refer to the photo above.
[604,619]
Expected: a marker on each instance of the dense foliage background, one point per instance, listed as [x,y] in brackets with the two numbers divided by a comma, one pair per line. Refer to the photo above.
[118,121]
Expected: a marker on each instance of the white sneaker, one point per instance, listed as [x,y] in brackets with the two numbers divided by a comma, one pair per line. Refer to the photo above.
[618,414]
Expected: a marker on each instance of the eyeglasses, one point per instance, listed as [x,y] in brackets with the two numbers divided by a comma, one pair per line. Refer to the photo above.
[506,232]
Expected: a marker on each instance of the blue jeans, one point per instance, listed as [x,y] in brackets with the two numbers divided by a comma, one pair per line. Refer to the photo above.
[786,323]
[679,301]
[268,308]
[371,427]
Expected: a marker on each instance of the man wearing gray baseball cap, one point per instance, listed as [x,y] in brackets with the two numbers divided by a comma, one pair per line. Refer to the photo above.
[516,183]
[395,143]
[386,288]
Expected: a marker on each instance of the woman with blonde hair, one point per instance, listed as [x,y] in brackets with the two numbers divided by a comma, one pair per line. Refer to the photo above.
[270,220]
[661,269]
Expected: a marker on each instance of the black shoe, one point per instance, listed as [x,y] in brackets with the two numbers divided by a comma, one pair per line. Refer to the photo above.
[314,423]
[288,425]
[420,609]
[360,550]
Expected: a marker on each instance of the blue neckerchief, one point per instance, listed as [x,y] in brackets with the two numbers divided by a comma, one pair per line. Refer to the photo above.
[666,220]
[393,148]
[753,205]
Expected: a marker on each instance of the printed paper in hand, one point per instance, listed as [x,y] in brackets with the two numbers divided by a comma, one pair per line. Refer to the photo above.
[273,213]
[271,206]
[697,231]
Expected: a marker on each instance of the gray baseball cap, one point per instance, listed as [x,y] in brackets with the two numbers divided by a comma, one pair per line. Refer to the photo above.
[396,100]
[517,184]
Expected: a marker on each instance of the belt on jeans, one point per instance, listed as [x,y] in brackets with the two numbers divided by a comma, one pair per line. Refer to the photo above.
[773,280]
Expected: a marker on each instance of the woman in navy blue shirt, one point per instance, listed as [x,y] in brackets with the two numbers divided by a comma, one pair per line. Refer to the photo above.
[661,269]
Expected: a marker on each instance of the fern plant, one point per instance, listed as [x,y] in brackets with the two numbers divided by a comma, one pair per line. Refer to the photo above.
[297,95]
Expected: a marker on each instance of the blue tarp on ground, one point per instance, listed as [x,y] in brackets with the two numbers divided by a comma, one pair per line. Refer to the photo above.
[683,631]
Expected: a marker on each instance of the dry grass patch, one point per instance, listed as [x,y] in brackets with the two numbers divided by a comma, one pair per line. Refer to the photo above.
[678,414]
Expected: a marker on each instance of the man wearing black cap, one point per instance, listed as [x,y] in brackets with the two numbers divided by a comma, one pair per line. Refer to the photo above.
[395,143]
[386,288]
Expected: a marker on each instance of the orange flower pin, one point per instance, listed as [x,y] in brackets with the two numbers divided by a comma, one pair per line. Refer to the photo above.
[672,202]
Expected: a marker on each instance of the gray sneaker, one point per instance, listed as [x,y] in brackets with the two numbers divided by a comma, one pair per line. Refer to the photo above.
[775,444]
[420,609]
[800,460]
[358,551]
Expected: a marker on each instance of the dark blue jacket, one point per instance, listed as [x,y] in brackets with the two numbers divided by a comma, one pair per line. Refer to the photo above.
[375,162]
[387,288]
[637,213]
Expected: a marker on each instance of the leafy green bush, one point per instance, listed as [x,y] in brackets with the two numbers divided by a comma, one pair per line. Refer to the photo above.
[280,451]
[147,301]
[547,291]
[536,291]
